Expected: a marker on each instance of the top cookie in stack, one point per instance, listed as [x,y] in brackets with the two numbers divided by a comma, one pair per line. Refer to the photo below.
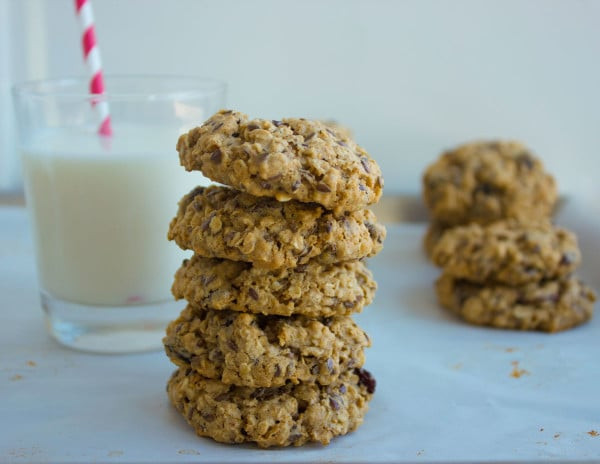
[266,348]
[293,159]
[483,182]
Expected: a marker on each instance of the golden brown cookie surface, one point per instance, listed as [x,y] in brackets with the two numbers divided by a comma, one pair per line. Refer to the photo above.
[293,414]
[507,252]
[484,182]
[263,351]
[290,159]
[312,289]
[432,236]
[548,306]
[218,222]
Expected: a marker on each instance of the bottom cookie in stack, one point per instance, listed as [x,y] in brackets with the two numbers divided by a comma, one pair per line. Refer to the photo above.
[549,306]
[291,414]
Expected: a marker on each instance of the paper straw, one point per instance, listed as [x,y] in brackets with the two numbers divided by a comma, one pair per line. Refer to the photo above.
[91,54]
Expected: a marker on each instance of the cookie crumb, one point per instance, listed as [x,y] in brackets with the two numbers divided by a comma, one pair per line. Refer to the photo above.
[593,433]
[31,363]
[16,377]
[517,373]
[556,435]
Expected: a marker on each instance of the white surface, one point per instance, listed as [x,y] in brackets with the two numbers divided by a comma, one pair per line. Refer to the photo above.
[411,77]
[444,389]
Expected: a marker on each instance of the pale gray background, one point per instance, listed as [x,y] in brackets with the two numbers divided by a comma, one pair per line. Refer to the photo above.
[410,77]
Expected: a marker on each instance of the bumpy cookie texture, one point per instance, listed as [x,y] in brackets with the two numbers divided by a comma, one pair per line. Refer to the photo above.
[218,222]
[265,351]
[487,181]
[290,159]
[432,236]
[548,306]
[293,414]
[507,252]
[313,289]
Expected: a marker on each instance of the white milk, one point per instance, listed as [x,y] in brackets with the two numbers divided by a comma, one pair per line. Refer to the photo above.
[100,215]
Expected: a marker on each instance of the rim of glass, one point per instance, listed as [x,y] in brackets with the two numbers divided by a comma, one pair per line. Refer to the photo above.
[63,87]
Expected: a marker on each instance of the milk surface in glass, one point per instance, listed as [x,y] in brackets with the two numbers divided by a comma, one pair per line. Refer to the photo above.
[101,209]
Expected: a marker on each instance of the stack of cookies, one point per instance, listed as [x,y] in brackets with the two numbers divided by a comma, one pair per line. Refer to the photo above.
[266,348]
[504,263]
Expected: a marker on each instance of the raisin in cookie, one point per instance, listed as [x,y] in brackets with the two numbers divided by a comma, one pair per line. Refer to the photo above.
[290,159]
[218,222]
[483,182]
[312,289]
[507,252]
[262,351]
[548,306]
[292,414]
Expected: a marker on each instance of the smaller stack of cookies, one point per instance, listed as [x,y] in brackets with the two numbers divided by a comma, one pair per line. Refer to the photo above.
[266,347]
[504,263]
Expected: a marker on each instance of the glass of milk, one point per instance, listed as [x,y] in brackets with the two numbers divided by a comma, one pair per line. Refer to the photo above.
[100,206]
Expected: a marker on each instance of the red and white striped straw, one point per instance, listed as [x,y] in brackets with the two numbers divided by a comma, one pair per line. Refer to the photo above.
[91,53]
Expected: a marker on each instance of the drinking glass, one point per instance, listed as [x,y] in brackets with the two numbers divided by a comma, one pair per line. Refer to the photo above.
[100,206]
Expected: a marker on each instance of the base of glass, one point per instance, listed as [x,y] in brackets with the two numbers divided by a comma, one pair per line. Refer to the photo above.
[109,329]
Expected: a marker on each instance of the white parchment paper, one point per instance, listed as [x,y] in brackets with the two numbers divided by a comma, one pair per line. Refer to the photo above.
[446,391]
